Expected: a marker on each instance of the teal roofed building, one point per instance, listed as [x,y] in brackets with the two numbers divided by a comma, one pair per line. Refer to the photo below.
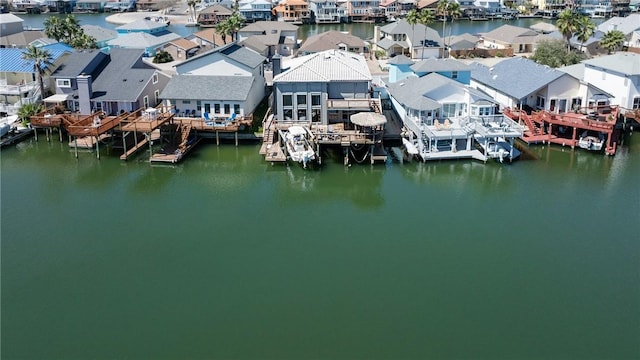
[399,68]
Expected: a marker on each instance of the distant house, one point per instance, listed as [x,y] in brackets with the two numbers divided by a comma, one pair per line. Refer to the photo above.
[18,81]
[365,10]
[294,11]
[93,80]
[90,5]
[326,11]
[102,35]
[143,26]
[150,43]
[181,49]
[415,41]
[397,8]
[206,38]
[464,41]
[519,82]
[451,68]
[326,87]
[212,15]
[255,10]
[627,25]
[617,74]
[224,81]
[269,37]
[521,40]
[13,34]
[332,40]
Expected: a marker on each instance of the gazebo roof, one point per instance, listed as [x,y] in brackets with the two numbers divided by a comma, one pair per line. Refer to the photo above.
[368,119]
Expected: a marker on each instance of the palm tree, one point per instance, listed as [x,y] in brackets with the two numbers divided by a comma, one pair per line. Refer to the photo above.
[612,40]
[234,22]
[192,8]
[425,18]
[567,24]
[222,28]
[413,17]
[446,9]
[53,28]
[41,60]
[26,111]
[585,30]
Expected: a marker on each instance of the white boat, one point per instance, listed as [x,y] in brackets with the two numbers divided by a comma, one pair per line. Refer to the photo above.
[6,123]
[590,143]
[500,149]
[299,144]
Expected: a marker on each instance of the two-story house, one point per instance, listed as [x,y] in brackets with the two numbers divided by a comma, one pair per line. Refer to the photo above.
[295,11]
[212,15]
[332,40]
[255,10]
[617,74]
[224,81]
[365,11]
[415,41]
[325,12]
[270,37]
[92,80]
[326,87]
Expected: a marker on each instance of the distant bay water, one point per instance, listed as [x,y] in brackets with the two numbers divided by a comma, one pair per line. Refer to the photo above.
[364,31]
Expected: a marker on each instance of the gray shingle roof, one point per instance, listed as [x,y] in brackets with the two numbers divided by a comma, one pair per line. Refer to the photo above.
[99,33]
[435,65]
[84,61]
[267,26]
[623,62]
[124,76]
[416,33]
[202,87]
[330,65]
[141,40]
[513,34]
[625,24]
[236,52]
[516,77]
[400,60]
[330,40]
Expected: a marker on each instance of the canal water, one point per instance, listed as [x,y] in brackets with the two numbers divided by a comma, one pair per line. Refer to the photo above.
[226,256]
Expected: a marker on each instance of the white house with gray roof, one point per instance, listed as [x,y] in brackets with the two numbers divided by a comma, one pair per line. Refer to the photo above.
[444,115]
[226,80]
[325,87]
[627,25]
[519,82]
[270,37]
[92,80]
[415,41]
[617,74]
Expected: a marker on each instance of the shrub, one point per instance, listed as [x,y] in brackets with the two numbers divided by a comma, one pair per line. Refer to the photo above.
[162,57]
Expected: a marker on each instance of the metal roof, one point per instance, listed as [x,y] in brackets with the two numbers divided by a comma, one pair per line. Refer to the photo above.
[12,60]
[202,87]
[326,66]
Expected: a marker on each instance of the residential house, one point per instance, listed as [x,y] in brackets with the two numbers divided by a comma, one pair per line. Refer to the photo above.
[326,87]
[441,114]
[296,11]
[150,43]
[518,82]
[397,8]
[427,4]
[451,68]
[13,34]
[627,25]
[332,40]
[224,81]
[102,35]
[521,40]
[148,26]
[18,80]
[60,6]
[255,10]
[400,68]
[92,80]
[181,49]
[464,41]
[415,41]
[269,37]
[214,14]
[489,6]
[617,74]
[206,38]
[325,12]
[95,6]
[151,4]
[365,11]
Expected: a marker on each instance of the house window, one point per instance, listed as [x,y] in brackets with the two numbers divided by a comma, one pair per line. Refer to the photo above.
[576,103]
[236,108]
[199,105]
[155,78]
[302,114]
[145,101]
[207,107]
[302,100]
[636,103]
[227,108]
[448,110]
[316,115]
[288,114]
[63,83]
[454,74]
[315,100]
[156,95]
[287,100]
[216,108]
[540,102]
[186,101]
